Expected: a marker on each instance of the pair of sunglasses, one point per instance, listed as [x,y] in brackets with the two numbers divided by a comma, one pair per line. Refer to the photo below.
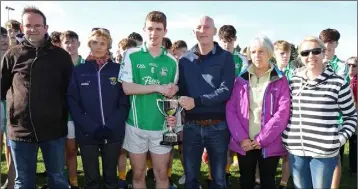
[315,51]
[94,29]
[353,65]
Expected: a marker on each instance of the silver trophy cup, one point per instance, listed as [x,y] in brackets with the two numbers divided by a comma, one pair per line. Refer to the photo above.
[170,107]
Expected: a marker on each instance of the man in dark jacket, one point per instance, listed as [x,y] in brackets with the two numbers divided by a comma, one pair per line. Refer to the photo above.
[35,77]
[206,78]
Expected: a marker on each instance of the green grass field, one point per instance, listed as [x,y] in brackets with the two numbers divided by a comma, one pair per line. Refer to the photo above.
[348,181]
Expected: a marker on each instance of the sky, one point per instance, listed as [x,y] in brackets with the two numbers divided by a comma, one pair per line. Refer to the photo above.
[286,20]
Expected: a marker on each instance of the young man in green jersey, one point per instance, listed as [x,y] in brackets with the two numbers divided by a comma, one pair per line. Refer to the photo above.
[227,38]
[148,73]
[70,42]
[282,54]
[330,37]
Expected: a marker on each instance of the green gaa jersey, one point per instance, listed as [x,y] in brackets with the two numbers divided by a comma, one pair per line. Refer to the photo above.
[138,66]
[240,62]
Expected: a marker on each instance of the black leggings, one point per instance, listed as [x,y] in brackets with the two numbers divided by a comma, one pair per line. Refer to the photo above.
[267,167]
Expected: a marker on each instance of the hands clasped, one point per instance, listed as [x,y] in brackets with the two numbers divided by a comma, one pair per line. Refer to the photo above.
[168,90]
[248,145]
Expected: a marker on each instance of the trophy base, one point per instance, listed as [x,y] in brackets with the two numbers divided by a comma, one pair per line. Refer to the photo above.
[165,143]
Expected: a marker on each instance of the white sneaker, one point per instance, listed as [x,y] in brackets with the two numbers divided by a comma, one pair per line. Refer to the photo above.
[181,181]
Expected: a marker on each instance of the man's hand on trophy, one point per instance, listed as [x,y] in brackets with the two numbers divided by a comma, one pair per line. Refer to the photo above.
[172,121]
[186,102]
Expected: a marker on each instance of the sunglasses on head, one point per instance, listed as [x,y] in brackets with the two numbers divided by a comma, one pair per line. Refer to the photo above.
[94,29]
[315,51]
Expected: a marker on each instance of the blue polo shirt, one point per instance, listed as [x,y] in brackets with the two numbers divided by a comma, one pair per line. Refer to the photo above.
[208,79]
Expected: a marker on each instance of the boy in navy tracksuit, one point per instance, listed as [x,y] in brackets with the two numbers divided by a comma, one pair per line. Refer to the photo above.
[99,109]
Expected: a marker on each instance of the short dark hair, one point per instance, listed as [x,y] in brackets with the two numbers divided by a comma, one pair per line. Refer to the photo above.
[32,9]
[55,37]
[3,31]
[167,43]
[179,44]
[13,24]
[68,34]
[329,35]
[157,16]
[238,48]
[135,36]
[227,32]
[127,43]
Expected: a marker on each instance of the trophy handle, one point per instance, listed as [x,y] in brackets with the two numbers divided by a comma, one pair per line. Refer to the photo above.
[160,109]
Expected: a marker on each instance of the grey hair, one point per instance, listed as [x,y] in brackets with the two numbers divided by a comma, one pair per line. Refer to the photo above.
[265,42]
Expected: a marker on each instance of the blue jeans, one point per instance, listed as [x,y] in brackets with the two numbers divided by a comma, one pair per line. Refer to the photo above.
[25,159]
[215,138]
[309,172]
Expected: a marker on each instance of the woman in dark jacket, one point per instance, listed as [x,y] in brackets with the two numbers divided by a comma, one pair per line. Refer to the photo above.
[99,109]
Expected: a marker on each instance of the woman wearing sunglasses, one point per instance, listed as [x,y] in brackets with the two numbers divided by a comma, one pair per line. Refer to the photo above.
[257,113]
[313,136]
[99,109]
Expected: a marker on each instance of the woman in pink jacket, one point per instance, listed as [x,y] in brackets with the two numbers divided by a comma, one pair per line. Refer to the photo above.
[257,112]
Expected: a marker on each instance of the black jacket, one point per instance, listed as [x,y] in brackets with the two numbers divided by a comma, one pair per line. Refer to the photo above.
[34,83]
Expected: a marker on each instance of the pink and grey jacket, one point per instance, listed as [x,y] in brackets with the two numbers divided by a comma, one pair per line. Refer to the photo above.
[275,114]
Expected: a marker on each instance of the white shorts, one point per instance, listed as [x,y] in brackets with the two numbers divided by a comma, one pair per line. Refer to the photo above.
[139,141]
[70,130]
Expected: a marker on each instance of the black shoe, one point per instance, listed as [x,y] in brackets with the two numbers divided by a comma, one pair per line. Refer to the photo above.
[5,184]
[228,183]
[171,184]
[282,187]
[209,182]
[44,186]
[257,186]
[75,187]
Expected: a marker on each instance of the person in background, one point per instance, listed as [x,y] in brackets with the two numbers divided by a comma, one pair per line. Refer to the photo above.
[227,39]
[352,73]
[256,129]
[179,48]
[37,113]
[70,42]
[123,45]
[55,38]
[99,112]
[14,31]
[282,53]
[167,44]
[137,38]
[4,46]
[313,136]
[331,37]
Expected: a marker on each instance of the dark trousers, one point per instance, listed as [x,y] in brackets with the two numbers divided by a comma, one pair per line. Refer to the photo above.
[109,154]
[352,153]
[267,167]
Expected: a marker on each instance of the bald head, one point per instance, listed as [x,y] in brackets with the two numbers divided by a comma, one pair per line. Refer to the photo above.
[205,30]
[207,20]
